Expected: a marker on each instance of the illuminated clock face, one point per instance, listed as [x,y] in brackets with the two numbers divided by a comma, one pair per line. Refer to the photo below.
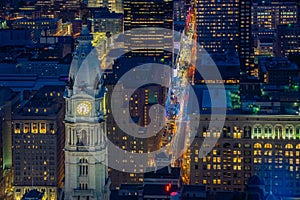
[83,108]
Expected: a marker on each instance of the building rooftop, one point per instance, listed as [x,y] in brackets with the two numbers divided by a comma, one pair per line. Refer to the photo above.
[46,102]
[104,12]
[38,20]
[192,188]
[130,186]
[6,94]
[158,189]
[266,39]
[276,63]
[163,173]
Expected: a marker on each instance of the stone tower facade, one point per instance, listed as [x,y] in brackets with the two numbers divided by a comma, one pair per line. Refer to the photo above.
[86,174]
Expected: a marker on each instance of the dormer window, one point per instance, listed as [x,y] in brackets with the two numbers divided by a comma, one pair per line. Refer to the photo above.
[83,55]
[34,128]
[43,128]
[17,128]
[26,128]
[52,130]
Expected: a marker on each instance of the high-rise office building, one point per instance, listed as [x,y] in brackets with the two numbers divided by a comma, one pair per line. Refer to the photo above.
[263,145]
[97,3]
[46,3]
[278,71]
[104,21]
[149,46]
[149,14]
[287,40]
[245,49]
[267,15]
[113,5]
[217,24]
[179,10]
[226,25]
[116,6]
[86,174]
[72,4]
[139,104]
[51,26]
[38,141]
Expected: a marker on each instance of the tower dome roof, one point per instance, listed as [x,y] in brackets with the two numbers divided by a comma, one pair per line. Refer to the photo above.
[89,74]
[85,72]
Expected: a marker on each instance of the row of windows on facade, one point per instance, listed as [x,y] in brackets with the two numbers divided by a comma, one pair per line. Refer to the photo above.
[34,166]
[37,180]
[25,173]
[21,139]
[269,165]
[248,146]
[259,157]
[34,128]
[237,156]
[83,167]
[42,162]
[275,175]
[36,110]
[258,131]
[238,182]
[33,148]
[27,189]
[35,173]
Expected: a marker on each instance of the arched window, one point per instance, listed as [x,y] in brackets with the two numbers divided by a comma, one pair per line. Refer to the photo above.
[83,186]
[83,138]
[257,146]
[237,133]
[247,132]
[226,132]
[289,146]
[298,146]
[278,132]
[257,131]
[289,150]
[268,131]
[268,146]
[297,132]
[289,131]
[83,167]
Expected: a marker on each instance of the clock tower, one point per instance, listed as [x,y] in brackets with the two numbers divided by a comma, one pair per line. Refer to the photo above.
[86,175]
